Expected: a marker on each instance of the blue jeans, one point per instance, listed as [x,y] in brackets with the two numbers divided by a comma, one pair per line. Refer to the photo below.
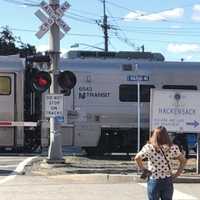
[160,189]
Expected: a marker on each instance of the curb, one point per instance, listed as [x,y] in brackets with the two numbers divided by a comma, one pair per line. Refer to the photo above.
[187,179]
[114,178]
[97,177]
[21,168]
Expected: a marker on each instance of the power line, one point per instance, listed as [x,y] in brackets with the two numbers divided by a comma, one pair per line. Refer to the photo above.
[159,32]
[89,21]
[81,16]
[124,38]
[136,30]
[158,11]
[23,3]
[83,11]
[118,6]
[71,34]
[99,36]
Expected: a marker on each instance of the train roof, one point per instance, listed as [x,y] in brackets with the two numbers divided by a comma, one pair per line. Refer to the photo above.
[116,65]
[11,63]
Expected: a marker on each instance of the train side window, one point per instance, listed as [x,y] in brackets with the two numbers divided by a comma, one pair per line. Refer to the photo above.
[182,87]
[5,85]
[128,93]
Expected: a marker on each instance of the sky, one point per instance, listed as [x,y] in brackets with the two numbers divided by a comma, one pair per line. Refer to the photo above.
[170,27]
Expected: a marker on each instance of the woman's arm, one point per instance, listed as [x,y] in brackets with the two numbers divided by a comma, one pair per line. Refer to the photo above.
[182,162]
[139,162]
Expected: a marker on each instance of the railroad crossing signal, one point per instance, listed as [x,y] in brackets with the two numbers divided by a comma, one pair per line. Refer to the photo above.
[54,16]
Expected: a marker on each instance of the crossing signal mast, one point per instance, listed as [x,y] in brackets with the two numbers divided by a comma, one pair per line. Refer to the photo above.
[52,22]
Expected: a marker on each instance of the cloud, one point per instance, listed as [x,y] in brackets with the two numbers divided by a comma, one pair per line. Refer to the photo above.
[160,16]
[45,47]
[196,12]
[183,48]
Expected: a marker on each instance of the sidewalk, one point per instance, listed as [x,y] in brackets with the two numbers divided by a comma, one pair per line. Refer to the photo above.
[109,169]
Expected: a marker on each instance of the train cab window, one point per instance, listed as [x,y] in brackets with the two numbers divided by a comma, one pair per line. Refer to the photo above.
[181,87]
[5,85]
[128,93]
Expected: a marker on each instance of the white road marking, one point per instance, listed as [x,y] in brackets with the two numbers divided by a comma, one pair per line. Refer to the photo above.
[7,166]
[177,194]
[19,169]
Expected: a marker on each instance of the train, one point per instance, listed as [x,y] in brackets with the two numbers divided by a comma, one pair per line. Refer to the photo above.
[103,106]
[101,112]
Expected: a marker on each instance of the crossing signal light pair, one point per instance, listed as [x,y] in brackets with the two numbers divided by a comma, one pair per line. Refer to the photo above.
[41,81]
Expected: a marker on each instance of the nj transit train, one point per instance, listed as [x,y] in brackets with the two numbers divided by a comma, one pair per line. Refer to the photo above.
[100,113]
[102,107]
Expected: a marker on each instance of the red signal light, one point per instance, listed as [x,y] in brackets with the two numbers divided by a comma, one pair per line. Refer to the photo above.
[41,81]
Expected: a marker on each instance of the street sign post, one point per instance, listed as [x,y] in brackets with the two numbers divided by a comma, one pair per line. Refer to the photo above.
[178,111]
[54,16]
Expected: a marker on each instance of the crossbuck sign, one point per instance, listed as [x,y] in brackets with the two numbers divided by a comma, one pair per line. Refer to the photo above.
[54,17]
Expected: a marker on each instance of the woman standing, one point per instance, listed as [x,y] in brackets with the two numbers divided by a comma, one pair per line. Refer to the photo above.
[160,152]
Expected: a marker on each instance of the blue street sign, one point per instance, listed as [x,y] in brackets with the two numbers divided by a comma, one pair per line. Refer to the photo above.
[59,119]
[137,78]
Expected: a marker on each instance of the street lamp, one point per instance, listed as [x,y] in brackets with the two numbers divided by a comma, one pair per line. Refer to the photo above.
[76,45]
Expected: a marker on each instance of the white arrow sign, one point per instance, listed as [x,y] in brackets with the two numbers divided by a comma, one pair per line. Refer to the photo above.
[54,17]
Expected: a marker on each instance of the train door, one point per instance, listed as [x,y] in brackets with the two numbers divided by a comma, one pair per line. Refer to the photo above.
[7,110]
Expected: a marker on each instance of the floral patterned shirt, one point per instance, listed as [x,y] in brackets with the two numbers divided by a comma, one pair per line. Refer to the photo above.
[157,163]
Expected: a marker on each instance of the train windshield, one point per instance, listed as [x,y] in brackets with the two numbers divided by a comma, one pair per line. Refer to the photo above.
[5,85]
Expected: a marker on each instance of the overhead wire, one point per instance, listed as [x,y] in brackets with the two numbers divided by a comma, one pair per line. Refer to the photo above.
[72,34]
[80,18]
[123,38]
[23,3]
[83,11]
[99,36]
[152,12]
[91,46]
[185,32]
[167,32]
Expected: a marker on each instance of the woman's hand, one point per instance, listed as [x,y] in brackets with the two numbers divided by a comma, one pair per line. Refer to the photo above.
[182,162]
[175,175]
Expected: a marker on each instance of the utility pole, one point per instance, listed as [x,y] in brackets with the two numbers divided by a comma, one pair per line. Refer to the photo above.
[55,148]
[105,27]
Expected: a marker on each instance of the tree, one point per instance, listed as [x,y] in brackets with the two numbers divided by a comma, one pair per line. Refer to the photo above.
[8,44]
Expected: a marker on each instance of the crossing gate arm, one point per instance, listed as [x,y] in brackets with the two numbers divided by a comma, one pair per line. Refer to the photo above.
[17,124]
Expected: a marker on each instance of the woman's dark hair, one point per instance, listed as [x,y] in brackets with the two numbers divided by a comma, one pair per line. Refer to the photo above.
[160,137]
